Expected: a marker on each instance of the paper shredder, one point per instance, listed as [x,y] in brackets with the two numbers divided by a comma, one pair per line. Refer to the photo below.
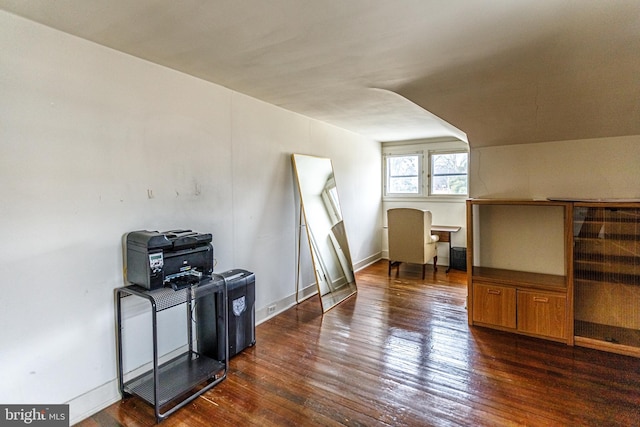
[209,312]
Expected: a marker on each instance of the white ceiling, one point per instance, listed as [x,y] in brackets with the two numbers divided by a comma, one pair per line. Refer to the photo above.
[500,71]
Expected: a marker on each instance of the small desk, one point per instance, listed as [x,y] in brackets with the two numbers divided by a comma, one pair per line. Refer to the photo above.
[444,234]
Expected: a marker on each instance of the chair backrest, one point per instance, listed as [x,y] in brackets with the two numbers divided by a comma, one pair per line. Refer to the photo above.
[409,231]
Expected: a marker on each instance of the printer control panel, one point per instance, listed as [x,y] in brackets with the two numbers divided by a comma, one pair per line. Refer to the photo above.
[156,262]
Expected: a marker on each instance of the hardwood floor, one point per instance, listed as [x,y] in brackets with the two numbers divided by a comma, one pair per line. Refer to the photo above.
[400,353]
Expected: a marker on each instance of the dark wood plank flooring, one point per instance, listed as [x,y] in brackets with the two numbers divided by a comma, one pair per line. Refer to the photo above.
[401,354]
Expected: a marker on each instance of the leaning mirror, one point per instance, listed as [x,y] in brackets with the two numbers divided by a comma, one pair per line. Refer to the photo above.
[320,206]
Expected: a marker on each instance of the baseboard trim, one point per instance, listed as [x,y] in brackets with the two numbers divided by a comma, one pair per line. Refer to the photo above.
[93,401]
[262,315]
[367,261]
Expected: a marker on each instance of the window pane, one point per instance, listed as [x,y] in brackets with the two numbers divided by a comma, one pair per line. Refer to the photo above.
[449,185]
[406,185]
[449,173]
[403,174]
[450,163]
[403,166]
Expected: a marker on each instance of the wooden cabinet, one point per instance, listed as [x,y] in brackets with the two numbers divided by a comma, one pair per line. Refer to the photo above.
[519,274]
[494,305]
[528,312]
[542,313]
[565,270]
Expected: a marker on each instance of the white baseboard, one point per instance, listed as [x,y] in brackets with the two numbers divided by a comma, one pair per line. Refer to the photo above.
[284,304]
[367,261]
[93,401]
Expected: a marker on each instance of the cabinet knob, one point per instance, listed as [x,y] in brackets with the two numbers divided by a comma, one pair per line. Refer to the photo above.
[540,299]
[494,291]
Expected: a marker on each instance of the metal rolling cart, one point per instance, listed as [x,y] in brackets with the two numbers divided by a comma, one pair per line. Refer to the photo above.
[173,384]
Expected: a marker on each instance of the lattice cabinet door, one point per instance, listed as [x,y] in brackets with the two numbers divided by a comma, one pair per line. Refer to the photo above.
[607,276]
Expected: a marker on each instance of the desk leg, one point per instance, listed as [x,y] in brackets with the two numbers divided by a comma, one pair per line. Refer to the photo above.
[448,239]
[444,232]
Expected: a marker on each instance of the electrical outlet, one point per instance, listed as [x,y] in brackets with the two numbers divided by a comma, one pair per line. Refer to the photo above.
[271,309]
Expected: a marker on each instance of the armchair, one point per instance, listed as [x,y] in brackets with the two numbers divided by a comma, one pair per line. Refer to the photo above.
[410,238]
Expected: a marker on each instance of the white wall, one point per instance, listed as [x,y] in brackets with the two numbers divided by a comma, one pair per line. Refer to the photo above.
[95,143]
[591,168]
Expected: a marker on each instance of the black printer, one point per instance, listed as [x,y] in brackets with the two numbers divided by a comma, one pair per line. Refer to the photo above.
[176,258]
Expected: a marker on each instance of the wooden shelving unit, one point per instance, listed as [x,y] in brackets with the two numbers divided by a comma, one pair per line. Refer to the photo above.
[517,298]
[594,302]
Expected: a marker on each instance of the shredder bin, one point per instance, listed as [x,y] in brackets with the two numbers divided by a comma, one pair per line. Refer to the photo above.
[209,311]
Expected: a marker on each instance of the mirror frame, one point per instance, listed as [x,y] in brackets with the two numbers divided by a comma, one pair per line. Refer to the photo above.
[329,297]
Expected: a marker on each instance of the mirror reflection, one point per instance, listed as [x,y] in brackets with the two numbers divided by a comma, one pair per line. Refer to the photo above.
[330,254]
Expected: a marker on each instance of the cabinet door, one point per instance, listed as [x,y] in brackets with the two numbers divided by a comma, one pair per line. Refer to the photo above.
[494,305]
[542,313]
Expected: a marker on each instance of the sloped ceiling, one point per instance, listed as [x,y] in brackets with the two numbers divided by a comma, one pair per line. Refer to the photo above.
[494,72]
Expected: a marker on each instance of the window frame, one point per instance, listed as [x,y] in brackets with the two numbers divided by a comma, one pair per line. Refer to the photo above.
[425,150]
[420,175]
[430,173]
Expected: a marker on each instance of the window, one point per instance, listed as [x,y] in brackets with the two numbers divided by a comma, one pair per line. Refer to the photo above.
[403,174]
[427,173]
[449,173]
